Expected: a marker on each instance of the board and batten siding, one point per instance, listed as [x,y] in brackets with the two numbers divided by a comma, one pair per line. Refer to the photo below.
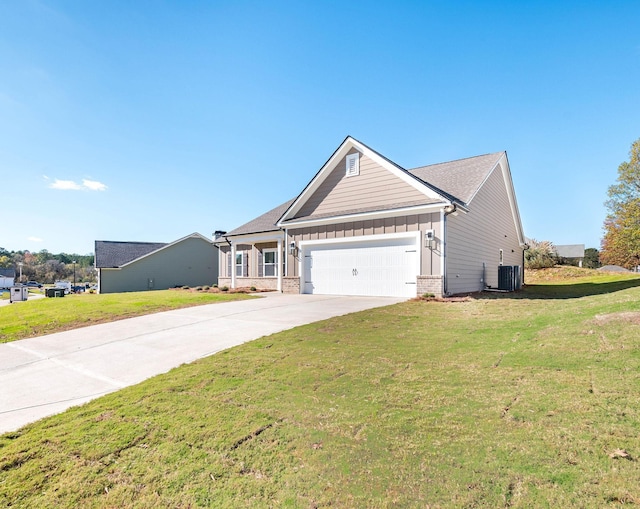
[479,235]
[429,258]
[253,258]
[374,187]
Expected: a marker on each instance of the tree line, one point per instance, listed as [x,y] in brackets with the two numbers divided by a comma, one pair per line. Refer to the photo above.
[621,241]
[46,267]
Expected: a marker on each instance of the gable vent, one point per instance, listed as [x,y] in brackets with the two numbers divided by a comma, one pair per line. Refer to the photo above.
[353,165]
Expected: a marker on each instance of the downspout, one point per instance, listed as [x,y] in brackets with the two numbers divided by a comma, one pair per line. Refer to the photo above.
[285,255]
[526,246]
[449,209]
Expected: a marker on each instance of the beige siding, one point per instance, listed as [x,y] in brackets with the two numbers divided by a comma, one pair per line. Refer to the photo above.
[478,237]
[430,258]
[374,187]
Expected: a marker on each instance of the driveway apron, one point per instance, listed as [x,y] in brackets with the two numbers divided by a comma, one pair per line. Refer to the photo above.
[48,374]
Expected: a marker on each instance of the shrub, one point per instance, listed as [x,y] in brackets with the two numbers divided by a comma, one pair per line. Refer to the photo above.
[185,287]
[253,288]
[540,255]
[224,288]
[207,288]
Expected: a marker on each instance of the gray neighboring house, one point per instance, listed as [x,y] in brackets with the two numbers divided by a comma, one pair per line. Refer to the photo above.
[366,226]
[574,251]
[138,266]
[8,274]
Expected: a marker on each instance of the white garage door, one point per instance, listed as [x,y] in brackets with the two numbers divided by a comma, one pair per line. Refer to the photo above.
[378,268]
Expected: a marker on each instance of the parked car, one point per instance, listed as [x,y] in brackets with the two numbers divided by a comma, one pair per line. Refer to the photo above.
[33,284]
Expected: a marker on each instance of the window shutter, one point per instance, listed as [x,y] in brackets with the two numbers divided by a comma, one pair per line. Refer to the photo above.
[245,259]
[260,267]
[228,255]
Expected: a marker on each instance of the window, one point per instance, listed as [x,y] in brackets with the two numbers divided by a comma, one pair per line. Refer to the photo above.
[353,165]
[239,264]
[269,262]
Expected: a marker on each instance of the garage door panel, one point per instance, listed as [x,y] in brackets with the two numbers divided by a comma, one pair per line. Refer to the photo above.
[362,268]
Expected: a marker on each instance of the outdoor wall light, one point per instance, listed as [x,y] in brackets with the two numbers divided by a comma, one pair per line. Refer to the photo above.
[429,239]
[293,249]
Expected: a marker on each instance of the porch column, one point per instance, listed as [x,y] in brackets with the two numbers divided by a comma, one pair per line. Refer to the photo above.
[280,266]
[233,265]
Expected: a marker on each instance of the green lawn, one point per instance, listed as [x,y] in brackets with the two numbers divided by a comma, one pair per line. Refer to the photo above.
[36,317]
[522,400]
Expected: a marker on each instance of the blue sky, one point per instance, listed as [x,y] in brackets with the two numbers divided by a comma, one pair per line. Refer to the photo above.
[149,121]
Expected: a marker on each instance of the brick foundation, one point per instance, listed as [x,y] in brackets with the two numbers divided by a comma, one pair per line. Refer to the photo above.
[260,283]
[430,284]
[291,284]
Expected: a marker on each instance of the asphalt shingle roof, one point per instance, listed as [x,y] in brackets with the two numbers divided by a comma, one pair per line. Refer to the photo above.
[264,223]
[110,254]
[460,179]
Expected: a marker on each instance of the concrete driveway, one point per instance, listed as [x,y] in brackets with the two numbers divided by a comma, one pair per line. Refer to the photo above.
[48,374]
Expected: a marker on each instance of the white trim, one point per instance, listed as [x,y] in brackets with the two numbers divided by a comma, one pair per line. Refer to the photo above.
[275,264]
[252,238]
[233,266]
[348,144]
[363,238]
[280,254]
[361,216]
[235,263]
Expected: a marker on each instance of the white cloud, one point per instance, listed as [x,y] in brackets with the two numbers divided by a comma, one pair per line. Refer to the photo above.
[65,185]
[35,239]
[94,185]
[70,185]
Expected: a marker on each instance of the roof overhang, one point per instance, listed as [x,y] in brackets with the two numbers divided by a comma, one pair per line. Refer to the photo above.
[251,238]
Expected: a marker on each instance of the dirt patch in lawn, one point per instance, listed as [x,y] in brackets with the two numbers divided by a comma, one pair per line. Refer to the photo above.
[627,316]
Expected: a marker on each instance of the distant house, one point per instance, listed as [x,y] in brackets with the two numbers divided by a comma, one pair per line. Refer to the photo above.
[571,251]
[139,266]
[363,225]
[8,273]
[7,278]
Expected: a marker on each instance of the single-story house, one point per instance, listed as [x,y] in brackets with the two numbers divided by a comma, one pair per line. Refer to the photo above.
[364,225]
[572,251]
[137,266]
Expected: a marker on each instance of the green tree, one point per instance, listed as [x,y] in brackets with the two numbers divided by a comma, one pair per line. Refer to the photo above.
[591,258]
[621,241]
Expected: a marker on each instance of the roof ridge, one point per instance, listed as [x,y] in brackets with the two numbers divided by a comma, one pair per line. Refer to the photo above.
[457,160]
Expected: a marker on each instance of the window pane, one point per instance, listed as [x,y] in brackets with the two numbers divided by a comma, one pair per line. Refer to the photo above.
[269,270]
[269,257]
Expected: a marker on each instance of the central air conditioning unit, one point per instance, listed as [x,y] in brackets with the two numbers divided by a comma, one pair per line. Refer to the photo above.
[509,278]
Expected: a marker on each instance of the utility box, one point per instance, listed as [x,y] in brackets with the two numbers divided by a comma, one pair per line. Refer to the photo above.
[54,292]
[18,293]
